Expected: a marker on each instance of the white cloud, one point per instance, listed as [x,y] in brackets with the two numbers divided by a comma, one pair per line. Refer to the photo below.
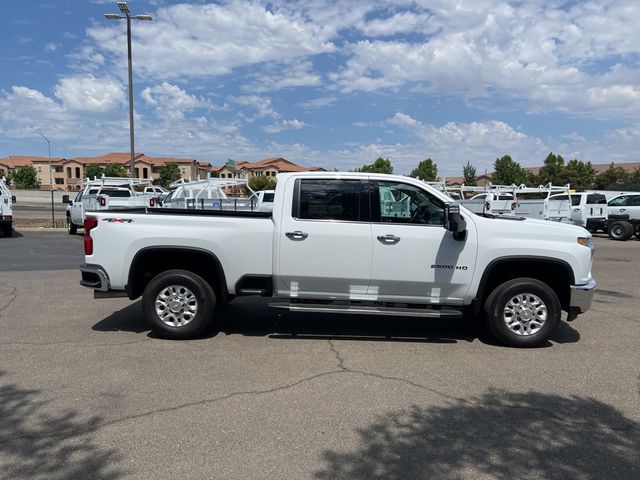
[51,47]
[261,106]
[171,102]
[211,39]
[90,94]
[292,74]
[277,127]
[553,58]
[319,102]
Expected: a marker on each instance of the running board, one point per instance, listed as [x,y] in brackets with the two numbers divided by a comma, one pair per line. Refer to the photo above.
[365,310]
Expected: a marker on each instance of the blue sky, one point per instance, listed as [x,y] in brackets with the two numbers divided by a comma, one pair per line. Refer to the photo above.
[334,84]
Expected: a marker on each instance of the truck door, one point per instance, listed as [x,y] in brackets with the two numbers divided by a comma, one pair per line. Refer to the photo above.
[324,240]
[619,205]
[76,210]
[415,260]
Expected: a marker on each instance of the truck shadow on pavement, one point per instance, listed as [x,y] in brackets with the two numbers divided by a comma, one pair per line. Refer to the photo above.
[253,317]
[37,442]
[499,435]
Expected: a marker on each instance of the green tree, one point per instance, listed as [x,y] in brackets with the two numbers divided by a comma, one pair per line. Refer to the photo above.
[380,165]
[25,177]
[169,173]
[426,170]
[114,170]
[506,172]
[93,170]
[262,182]
[553,171]
[611,179]
[470,176]
[581,175]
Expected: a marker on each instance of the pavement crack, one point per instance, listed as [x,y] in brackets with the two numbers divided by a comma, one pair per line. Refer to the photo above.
[12,294]
[339,358]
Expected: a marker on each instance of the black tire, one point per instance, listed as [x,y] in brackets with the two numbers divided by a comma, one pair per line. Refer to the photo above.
[7,230]
[620,231]
[500,308]
[188,291]
[72,228]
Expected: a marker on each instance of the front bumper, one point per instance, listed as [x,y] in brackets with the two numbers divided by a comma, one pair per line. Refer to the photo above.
[94,276]
[582,297]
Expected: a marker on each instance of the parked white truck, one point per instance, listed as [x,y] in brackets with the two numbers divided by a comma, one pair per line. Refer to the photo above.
[344,243]
[107,193]
[6,208]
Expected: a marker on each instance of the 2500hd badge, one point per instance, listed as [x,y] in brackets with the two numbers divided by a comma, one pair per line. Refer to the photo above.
[450,267]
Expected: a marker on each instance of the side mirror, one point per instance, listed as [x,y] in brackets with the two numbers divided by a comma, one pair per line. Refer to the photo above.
[13,199]
[454,222]
[65,198]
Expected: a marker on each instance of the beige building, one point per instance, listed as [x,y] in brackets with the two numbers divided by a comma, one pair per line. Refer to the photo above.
[269,167]
[67,173]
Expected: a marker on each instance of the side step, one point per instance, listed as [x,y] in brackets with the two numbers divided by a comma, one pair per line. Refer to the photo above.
[366,310]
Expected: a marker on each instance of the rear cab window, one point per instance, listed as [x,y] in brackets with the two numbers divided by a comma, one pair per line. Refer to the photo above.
[328,199]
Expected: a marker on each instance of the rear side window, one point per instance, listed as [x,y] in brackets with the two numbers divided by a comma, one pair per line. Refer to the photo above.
[575,200]
[115,193]
[597,199]
[329,200]
[559,197]
[268,197]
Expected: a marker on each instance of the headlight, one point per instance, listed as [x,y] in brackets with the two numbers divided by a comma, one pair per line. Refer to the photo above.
[586,241]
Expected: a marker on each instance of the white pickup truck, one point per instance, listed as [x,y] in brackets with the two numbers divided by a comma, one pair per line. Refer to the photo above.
[344,243]
[6,208]
[107,193]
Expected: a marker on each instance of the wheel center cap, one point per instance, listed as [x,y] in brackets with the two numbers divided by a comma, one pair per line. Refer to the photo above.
[175,306]
[525,314]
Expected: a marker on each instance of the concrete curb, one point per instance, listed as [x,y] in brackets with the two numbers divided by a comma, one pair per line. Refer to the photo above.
[40,229]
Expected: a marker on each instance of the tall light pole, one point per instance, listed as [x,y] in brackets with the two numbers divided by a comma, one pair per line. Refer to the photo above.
[124,8]
[53,218]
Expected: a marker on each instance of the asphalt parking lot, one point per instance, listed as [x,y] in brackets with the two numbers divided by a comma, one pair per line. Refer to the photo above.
[87,392]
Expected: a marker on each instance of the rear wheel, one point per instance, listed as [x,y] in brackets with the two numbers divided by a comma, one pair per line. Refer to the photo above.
[620,231]
[72,228]
[523,312]
[7,230]
[179,304]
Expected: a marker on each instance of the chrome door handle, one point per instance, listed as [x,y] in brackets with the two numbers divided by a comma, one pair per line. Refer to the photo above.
[388,239]
[622,210]
[297,235]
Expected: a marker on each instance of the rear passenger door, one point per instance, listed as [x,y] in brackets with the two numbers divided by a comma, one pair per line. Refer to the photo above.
[324,241]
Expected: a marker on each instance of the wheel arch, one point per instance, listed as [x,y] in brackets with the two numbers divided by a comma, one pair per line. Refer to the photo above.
[150,261]
[556,273]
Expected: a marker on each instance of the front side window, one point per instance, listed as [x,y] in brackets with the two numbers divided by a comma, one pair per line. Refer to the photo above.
[618,202]
[329,200]
[403,203]
[635,201]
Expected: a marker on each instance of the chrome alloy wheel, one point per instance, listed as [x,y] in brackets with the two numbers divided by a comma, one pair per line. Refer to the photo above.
[176,305]
[525,314]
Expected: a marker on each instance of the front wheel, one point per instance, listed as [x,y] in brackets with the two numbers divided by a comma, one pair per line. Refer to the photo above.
[523,312]
[72,228]
[179,304]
